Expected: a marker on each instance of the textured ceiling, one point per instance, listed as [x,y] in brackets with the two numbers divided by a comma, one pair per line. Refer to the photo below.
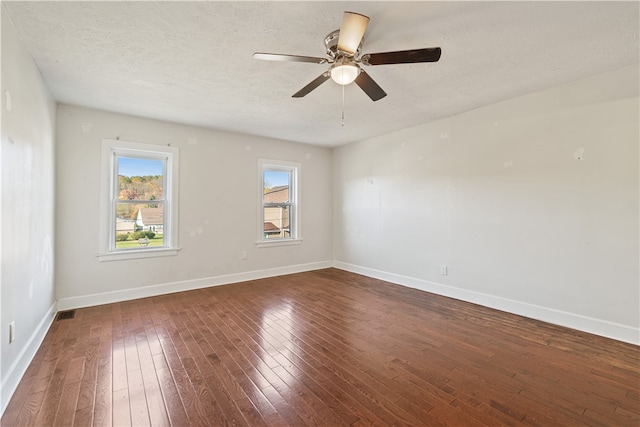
[190,62]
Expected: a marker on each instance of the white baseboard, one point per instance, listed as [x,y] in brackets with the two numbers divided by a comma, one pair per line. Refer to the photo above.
[187,285]
[570,320]
[19,366]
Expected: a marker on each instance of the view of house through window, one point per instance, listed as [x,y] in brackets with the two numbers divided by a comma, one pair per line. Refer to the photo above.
[278,202]
[139,203]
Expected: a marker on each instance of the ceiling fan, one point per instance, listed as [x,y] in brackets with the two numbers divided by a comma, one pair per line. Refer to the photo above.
[343,51]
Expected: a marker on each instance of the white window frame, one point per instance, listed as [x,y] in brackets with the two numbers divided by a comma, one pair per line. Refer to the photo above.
[111,149]
[295,229]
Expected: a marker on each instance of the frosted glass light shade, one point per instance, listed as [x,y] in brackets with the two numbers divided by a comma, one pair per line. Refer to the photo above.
[344,74]
[351,31]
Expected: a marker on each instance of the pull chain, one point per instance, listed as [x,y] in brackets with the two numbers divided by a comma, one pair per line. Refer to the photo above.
[343,105]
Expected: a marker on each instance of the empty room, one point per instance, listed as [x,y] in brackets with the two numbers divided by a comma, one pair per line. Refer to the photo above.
[320,213]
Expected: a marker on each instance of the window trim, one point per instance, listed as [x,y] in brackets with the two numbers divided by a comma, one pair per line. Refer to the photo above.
[111,148]
[295,229]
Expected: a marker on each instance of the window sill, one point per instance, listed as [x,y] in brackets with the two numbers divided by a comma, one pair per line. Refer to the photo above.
[277,242]
[137,254]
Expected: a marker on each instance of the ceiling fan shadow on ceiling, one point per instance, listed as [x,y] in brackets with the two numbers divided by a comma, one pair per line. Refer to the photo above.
[344,59]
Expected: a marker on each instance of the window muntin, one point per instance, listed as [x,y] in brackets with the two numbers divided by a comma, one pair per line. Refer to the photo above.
[279,213]
[139,217]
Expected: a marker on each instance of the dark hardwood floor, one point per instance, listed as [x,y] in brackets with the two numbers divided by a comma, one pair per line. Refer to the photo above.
[323,348]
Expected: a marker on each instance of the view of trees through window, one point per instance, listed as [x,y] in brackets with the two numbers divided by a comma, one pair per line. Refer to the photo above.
[140,203]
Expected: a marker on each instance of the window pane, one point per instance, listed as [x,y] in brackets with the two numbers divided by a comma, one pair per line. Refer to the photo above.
[140,179]
[139,225]
[276,186]
[276,222]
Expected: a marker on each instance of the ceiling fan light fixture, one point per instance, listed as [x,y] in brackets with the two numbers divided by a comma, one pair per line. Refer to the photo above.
[351,32]
[344,74]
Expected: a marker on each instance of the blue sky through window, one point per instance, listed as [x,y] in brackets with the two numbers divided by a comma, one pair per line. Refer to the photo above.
[128,166]
[276,178]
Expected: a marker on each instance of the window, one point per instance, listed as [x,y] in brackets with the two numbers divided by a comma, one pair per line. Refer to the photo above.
[139,186]
[279,198]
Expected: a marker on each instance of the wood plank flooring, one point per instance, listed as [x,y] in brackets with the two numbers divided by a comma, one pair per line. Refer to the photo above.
[323,348]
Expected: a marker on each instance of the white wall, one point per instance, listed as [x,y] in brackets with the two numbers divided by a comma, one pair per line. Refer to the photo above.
[531,203]
[218,209]
[27,226]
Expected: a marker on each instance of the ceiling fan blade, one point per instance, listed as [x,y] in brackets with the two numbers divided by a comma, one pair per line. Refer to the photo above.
[369,86]
[311,86]
[351,31]
[288,58]
[429,54]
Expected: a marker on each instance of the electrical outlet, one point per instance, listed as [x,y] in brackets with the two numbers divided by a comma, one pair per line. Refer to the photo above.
[444,270]
[12,331]
[243,255]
